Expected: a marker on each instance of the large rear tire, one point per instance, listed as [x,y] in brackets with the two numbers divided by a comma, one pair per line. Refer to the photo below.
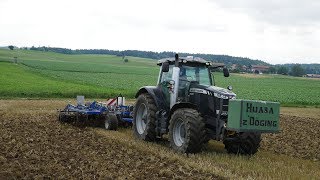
[144,119]
[187,131]
[246,143]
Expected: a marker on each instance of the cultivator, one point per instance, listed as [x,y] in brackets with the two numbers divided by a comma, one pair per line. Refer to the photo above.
[111,114]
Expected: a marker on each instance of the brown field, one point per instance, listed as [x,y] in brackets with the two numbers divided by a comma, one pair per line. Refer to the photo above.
[249,75]
[309,112]
[33,144]
[252,75]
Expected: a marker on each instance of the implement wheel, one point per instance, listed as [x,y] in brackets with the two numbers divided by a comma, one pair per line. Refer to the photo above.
[111,122]
[246,143]
[62,117]
[187,131]
[144,120]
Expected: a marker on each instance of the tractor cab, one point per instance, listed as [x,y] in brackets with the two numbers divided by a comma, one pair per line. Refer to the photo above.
[190,73]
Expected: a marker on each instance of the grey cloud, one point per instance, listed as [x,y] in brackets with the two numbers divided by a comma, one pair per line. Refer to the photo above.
[277,12]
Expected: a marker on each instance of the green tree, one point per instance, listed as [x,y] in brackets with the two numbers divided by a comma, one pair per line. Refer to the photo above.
[283,70]
[297,70]
[272,70]
[11,47]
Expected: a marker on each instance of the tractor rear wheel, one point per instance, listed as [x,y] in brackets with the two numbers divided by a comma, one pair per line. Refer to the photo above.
[187,131]
[111,122]
[144,120]
[246,143]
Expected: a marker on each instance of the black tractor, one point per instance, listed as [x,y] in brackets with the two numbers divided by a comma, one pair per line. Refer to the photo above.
[188,106]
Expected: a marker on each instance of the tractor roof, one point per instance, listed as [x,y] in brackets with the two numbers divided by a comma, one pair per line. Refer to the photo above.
[191,60]
[184,59]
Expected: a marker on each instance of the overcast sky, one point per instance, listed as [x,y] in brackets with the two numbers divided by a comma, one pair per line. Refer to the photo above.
[276,31]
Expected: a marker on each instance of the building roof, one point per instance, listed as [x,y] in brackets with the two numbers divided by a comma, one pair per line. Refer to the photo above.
[259,67]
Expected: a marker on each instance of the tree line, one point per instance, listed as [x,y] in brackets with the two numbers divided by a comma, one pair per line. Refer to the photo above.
[295,70]
[308,68]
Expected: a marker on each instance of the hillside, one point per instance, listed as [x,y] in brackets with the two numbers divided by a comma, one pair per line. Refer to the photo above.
[226,59]
[155,55]
[47,74]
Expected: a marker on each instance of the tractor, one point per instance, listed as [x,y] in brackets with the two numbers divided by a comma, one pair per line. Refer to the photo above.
[188,107]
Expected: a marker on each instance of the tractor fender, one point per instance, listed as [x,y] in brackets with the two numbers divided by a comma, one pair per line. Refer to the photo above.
[182,105]
[155,94]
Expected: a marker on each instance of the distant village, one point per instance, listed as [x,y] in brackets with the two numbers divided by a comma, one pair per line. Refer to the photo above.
[262,69]
[257,69]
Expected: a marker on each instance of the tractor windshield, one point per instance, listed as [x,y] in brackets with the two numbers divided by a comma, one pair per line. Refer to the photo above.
[196,73]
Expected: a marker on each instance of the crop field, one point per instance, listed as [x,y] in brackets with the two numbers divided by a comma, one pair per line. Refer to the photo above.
[289,91]
[46,74]
[33,144]
[56,75]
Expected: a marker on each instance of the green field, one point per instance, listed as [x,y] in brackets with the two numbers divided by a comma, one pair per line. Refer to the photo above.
[53,75]
[45,74]
[290,91]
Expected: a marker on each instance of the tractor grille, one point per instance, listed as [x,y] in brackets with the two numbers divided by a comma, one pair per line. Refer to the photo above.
[224,106]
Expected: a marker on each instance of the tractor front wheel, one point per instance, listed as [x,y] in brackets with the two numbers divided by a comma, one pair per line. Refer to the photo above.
[187,131]
[144,120]
[245,143]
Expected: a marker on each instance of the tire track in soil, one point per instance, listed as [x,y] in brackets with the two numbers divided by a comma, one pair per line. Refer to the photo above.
[35,145]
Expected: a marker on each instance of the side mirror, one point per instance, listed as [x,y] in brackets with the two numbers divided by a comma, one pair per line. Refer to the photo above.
[165,67]
[226,72]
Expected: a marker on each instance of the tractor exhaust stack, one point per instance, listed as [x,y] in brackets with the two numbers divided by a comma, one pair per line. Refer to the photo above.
[175,78]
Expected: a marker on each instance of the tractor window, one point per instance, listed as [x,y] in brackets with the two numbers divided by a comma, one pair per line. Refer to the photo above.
[198,73]
[167,76]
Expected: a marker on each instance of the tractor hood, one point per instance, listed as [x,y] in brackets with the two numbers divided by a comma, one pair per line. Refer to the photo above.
[221,92]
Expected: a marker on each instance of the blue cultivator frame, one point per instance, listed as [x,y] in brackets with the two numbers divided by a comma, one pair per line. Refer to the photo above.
[93,108]
[110,116]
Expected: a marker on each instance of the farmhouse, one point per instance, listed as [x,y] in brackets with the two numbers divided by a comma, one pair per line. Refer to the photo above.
[259,69]
[240,67]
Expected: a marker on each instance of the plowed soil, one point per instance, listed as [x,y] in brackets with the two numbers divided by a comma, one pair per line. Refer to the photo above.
[33,144]
[300,137]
